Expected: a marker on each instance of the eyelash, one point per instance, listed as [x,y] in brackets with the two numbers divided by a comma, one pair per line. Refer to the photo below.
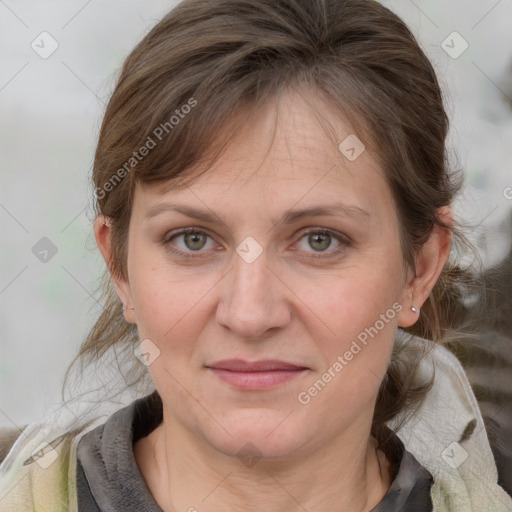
[343,239]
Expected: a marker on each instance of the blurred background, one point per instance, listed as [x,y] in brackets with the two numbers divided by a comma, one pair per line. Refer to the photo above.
[59,63]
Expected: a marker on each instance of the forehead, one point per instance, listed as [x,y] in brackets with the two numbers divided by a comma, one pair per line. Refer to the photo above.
[296,147]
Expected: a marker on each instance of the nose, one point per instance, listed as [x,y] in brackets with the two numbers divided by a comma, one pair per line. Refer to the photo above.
[254,300]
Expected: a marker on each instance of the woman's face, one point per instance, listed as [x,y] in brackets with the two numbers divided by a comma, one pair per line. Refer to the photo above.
[323,290]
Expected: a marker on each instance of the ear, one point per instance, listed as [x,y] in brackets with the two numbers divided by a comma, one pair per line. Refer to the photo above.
[103,235]
[429,263]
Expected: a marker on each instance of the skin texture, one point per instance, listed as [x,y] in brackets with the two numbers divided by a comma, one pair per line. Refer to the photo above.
[287,304]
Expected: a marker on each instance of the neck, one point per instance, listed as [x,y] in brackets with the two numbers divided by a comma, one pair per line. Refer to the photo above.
[184,473]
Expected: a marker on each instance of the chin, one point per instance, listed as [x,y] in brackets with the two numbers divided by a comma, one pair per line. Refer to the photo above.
[257,433]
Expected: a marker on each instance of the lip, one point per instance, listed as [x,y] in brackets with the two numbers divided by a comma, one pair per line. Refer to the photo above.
[256,374]
[239,365]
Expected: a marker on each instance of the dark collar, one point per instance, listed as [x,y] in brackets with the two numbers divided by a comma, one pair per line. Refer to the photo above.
[410,488]
[108,477]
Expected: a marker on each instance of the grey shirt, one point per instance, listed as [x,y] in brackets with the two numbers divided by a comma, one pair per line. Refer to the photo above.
[108,478]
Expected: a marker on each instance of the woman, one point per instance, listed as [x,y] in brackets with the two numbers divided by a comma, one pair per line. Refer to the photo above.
[273,205]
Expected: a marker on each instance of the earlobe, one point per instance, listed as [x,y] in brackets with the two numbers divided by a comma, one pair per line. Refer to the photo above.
[409,315]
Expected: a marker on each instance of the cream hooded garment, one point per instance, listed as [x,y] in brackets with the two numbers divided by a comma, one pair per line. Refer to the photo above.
[446,435]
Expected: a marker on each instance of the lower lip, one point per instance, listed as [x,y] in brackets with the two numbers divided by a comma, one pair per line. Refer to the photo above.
[257,380]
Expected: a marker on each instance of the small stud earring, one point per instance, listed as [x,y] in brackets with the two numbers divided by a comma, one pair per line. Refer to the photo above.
[415,310]
[123,309]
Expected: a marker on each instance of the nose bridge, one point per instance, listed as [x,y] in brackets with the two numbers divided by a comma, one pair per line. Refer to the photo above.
[253,300]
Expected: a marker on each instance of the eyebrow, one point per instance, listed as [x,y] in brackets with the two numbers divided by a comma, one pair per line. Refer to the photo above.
[289,217]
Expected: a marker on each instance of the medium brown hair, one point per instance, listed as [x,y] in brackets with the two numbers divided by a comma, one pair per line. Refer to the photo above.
[230,55]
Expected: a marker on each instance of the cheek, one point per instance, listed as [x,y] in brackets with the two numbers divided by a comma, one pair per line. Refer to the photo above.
[170,310]
[354,298]
[355,360]
[164,300]
[359,313]
[172,315]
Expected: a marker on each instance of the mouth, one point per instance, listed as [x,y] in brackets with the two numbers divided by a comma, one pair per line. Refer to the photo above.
[257,374]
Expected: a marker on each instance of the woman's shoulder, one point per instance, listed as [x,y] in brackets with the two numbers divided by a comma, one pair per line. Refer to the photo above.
[447,435]
[38,462]
[36,469]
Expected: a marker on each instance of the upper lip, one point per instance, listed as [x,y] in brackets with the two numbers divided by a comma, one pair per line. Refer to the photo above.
[239,365]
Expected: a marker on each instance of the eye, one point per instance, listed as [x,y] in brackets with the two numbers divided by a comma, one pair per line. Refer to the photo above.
[192,240]
[320,240]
